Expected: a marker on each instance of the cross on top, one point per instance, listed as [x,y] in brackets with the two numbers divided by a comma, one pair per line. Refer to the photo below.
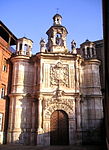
[57,10]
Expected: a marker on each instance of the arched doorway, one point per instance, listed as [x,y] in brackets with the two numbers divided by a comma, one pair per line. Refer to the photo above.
[59,128]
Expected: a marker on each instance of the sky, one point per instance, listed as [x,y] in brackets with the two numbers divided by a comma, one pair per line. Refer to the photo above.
[32,18]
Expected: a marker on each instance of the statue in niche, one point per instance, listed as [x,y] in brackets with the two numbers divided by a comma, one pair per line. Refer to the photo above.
[59,40]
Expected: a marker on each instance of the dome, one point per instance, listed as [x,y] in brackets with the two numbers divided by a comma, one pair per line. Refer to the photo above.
[57,19]
[57,15]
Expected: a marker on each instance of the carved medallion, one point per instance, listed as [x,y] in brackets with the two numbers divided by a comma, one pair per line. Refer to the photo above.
[59,74]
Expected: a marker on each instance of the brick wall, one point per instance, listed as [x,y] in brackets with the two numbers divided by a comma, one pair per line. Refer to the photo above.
[5,55]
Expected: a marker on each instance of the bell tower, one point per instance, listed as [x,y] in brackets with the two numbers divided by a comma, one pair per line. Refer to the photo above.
[57,36]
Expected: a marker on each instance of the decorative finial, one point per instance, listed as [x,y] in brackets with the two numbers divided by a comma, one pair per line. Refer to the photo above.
[42,45]
[73,44]
[73,47]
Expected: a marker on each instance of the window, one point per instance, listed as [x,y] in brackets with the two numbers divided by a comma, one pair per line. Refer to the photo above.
[1,120]
[25,48]
[20,47]
[92,51]
[2,94]
[57,20]
[5,65]
[88,52]
[83,52]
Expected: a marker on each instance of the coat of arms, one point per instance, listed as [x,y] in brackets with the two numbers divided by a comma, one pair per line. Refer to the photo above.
[59,74]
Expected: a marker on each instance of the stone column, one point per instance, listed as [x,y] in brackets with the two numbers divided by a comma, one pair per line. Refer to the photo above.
[22,50]
[78,113]
[78,122]
[40,114]
[85,52]
[94,52]
[34,123]
[34,115]
[40,130]
[91,52]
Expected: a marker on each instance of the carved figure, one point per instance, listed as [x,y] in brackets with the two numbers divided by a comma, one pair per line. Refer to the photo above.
[73,44]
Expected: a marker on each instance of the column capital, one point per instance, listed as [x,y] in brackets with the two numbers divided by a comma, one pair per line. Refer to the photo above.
[78,99]
[40,98]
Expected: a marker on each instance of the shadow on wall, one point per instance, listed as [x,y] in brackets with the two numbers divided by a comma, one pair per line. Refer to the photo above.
[59,134]
[95,136]
[59,128]
[29,121]
[7,102]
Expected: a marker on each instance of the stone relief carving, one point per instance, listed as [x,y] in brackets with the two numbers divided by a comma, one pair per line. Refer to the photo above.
[59,74]
[70,110]
[69,102]
[50,105]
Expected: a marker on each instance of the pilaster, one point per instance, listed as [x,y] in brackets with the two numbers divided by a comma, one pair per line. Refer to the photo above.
[40,129]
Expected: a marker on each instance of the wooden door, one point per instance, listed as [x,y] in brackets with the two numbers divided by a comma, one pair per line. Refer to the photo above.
[59,133]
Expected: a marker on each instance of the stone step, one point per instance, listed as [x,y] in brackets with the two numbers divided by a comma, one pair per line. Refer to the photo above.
[21,147]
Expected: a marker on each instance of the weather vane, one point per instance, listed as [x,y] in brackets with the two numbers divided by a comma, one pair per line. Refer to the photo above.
[57,10]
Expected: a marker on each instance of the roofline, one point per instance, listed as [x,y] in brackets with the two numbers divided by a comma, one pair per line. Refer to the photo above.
[57,15]
[58,26]
[86,43]
[25,38]
[7,30]
[99,41]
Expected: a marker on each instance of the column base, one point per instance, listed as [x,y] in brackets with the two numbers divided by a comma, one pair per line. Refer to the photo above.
[24,138]
[40,136]
[78,137]
[1,137]
[14,137]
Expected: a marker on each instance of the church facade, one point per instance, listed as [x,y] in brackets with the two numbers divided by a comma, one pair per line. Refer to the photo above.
[56,94]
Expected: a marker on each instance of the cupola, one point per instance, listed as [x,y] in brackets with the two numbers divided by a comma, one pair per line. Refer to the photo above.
[88,49]
[57,19]
[24,46]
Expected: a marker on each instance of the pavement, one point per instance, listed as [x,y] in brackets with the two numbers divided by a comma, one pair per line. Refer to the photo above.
[22,147]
